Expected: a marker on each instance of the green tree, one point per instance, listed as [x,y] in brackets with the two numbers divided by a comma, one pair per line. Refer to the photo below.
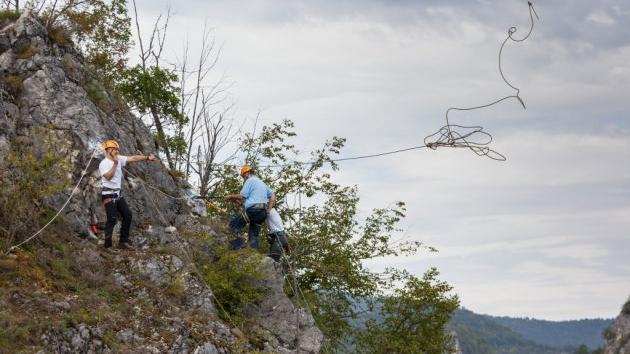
[330,241]
[413,318]
[101,28]
[151,90]
[104,31]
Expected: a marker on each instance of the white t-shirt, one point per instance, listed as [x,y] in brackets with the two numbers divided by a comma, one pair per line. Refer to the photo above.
[274,223]
[116,181]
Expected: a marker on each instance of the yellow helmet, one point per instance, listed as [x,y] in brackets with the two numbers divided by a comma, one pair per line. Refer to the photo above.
[245,169]
[110,144]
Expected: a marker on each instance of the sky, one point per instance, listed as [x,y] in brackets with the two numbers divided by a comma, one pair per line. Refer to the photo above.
[544,234]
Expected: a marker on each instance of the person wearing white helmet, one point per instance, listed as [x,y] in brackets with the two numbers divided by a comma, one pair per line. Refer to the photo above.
[111,195]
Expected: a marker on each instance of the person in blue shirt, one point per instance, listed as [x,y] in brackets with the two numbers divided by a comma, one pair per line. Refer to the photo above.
[257,199]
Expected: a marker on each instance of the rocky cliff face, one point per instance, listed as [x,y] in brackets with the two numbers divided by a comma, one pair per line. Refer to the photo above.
[618,334]
[64,294]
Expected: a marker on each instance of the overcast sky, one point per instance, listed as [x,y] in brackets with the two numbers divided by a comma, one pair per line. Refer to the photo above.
[544,234]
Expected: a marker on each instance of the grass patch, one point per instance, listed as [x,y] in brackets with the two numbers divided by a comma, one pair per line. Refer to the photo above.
[110,340]
[13,83]
[60,35]
[112,296]
[177,288]
[26,53]
[8,16]
[97,94]
[22,334]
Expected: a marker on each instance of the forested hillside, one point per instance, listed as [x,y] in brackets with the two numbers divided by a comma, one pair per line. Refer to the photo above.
[481,334]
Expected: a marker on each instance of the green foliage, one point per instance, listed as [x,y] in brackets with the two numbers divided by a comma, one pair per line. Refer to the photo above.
[101,28]
[177,288]
[110,339]
[412,318]
[105,31]
[330,241]
[30,173]
[153,87]
[60,35]
[583,349]
[626,308]
[8,16]
[233,278]
[152,90]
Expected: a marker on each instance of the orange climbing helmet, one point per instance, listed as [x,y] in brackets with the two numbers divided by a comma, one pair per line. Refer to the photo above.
[245,169]
[110,144]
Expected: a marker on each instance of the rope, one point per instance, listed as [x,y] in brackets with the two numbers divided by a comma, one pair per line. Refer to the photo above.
[475,138]
[150,197]
[155,188]
[74,190]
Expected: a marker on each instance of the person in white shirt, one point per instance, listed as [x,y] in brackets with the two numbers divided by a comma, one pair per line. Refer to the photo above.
[278,242]
[113,201]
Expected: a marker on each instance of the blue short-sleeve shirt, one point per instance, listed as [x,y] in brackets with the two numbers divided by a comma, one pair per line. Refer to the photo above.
[255,191]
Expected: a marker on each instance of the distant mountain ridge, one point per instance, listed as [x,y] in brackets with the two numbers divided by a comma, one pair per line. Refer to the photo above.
[559,333]
[484,334]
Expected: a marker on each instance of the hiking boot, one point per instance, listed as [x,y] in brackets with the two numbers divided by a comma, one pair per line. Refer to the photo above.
[124,246]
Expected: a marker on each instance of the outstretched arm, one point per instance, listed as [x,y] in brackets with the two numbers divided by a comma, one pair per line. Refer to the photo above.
[237,198]
[135,158]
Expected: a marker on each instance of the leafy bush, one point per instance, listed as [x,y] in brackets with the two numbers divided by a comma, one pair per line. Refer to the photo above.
[8,16]
[232,276]
[626,308]
[60,35]
[30,173]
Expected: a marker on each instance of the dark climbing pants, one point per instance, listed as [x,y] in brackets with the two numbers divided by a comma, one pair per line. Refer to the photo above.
[279,244]
[256,217]
[112,208]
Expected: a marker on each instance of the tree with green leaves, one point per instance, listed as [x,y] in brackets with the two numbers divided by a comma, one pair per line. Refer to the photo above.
[412,319]
[330,241]
[101,28]
[151,90]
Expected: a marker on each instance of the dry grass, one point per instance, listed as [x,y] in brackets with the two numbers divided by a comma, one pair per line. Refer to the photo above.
[13,83]
[26,53]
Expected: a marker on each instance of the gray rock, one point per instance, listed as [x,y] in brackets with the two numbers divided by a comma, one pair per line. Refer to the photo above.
[121,281]
[60,96]
[61,305]
[206,348]
[127,336]
[275,314]
[618,334]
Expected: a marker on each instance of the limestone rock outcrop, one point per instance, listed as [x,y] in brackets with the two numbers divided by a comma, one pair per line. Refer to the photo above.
[617,336]
[147,300]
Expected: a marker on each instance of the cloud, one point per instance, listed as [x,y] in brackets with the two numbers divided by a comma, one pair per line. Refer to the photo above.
[542,234]
[601,18]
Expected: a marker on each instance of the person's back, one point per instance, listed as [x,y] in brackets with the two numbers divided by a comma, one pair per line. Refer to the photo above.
[257,199]
[255,192]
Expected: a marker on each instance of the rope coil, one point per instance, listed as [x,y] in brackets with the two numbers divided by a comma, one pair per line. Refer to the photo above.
[476,139]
